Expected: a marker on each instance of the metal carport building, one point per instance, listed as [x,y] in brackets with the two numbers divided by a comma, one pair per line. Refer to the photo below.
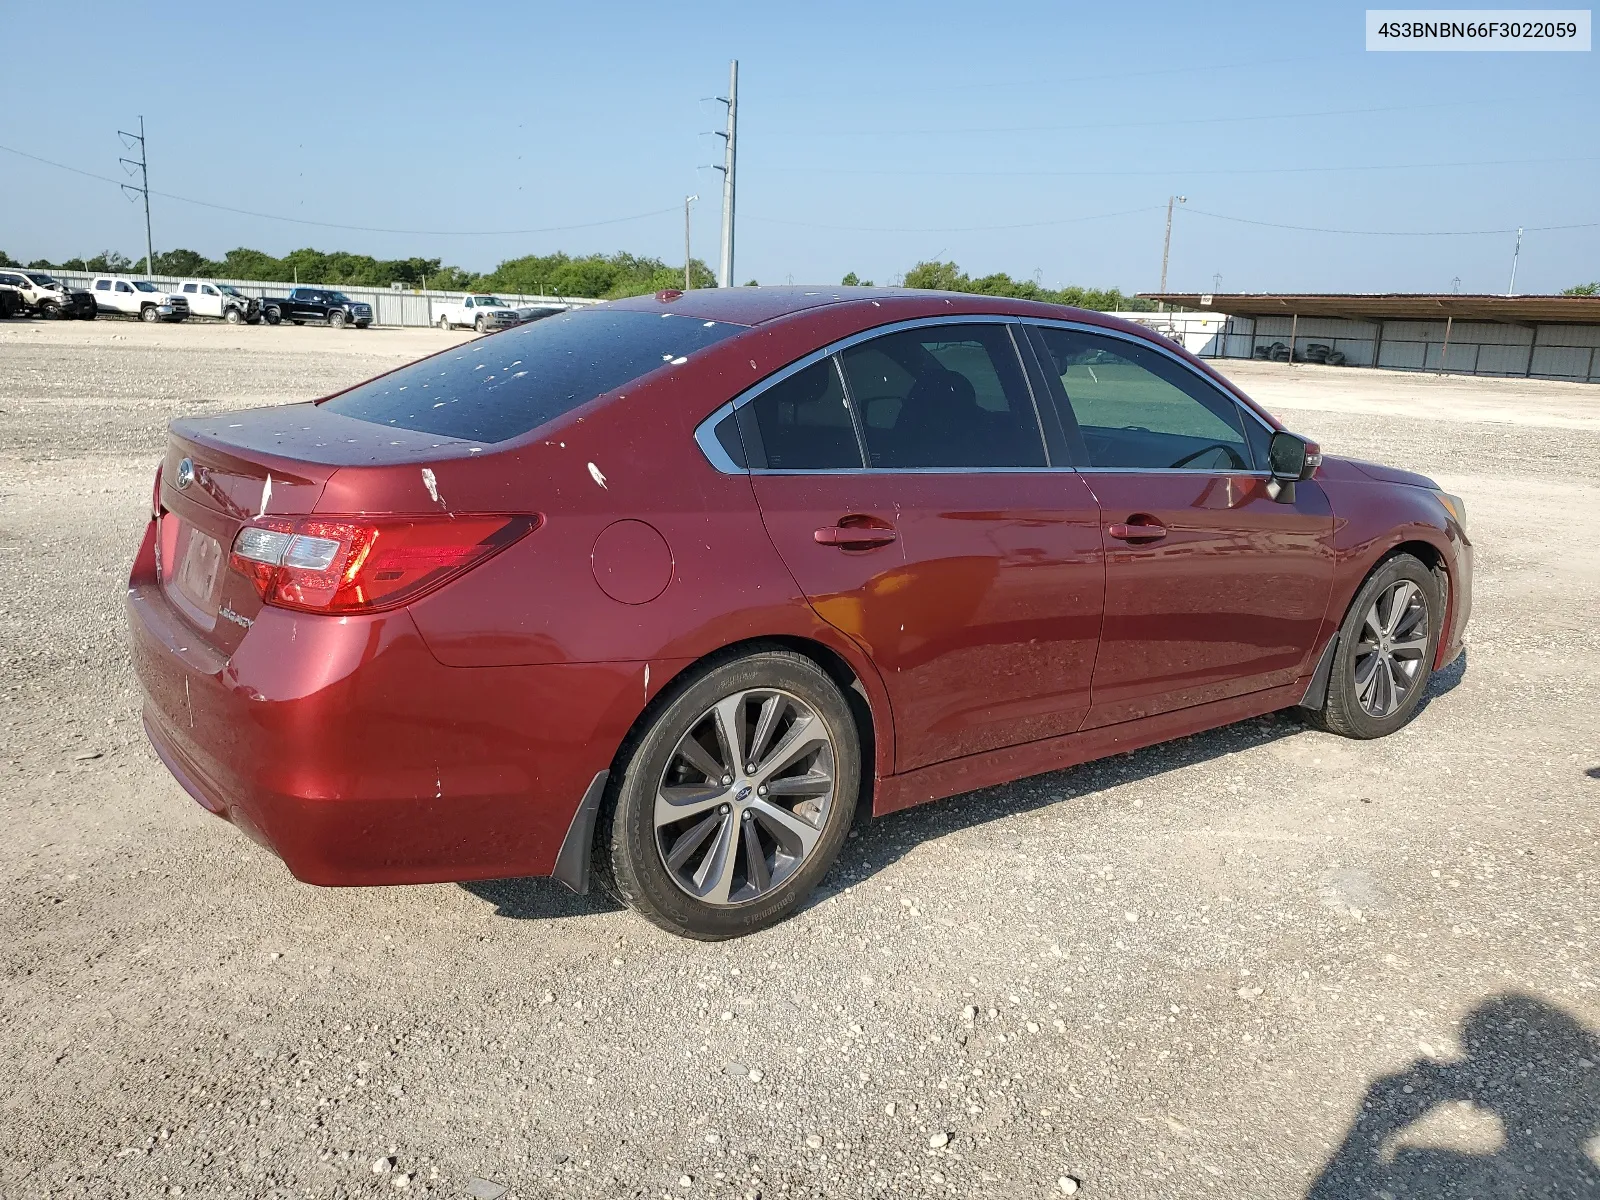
[1539,337]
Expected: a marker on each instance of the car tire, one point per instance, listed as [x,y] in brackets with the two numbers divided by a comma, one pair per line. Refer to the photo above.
[444,324]
[271,316]
[50,310]
[294,322]
[233,316]
[478,325]
[149,313]
[1387,644]
[336,320]
[89,313]
[753,858]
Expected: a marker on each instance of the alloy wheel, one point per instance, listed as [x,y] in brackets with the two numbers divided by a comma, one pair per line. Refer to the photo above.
[745,796]
[1393,643]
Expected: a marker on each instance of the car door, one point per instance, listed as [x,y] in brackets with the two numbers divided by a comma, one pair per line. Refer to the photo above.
[1213,587]
[906,484]
[124,297]
[210,301]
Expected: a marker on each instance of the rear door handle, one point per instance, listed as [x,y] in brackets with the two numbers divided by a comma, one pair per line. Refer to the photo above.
[1137,532]
[854,537]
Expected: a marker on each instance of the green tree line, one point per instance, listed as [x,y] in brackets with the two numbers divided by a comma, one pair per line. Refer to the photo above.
[598,276]
[947,277]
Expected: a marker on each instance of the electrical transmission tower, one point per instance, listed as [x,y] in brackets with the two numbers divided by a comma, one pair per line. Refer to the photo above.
[128,139]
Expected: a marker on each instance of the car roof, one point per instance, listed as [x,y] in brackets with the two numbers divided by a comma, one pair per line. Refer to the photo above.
[756,305]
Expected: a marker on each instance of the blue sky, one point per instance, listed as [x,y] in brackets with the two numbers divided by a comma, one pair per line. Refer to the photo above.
[871,136]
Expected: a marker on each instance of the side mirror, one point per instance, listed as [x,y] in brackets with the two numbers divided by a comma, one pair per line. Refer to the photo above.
[1291,458]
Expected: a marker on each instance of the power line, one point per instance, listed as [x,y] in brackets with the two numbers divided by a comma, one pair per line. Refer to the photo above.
[949,131]
[956,228]
[1390,232]
[1186,171]
[245,212]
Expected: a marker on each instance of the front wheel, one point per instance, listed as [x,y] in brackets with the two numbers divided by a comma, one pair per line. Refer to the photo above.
[734,801]
[50,310]
[336,320]
[148,313]
[478,324]
[1386,650]
[232,316]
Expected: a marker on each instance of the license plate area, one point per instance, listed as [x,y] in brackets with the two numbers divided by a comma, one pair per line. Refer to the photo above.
[191,562]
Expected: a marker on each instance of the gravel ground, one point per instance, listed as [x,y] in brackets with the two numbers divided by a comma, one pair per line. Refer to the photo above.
[1262,961]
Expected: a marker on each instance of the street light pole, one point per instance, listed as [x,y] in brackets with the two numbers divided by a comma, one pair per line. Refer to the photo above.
[1515,254]
[687,281]
[1166,246]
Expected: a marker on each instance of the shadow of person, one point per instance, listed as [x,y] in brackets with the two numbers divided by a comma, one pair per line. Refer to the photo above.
[1528,1066]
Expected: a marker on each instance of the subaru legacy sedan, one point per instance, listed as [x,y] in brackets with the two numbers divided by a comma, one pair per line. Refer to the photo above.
[653,595]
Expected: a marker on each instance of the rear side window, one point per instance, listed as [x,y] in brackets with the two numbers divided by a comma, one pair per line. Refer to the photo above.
[805,423]
[502,387]
[944,396]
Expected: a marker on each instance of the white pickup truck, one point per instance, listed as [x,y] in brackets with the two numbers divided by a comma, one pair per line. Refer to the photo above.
[139,298]
[483,313]
[219,300]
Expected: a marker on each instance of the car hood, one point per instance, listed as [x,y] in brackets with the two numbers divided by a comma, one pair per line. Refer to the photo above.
[1338,466]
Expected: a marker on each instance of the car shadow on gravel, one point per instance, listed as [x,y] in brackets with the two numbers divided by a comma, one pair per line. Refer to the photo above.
[1517,1115]
[539,899]
[878,843]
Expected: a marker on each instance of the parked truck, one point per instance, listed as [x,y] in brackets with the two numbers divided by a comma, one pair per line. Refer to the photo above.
[42,293]
[321,305]
[139,298]
[483,312]
[220,300]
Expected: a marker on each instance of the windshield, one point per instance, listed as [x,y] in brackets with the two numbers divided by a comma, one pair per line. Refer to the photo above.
[145,285]
[229,291]
[42,279]
[530,374]
[489,302]
[337,298]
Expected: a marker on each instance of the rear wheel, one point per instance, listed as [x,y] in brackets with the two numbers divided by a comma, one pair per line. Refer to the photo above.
[149,313]
[444,323]
[1386,650]
[272,316]
[735,800]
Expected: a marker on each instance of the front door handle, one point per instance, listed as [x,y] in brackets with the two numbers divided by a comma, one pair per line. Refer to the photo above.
[1137,531]
[854,537]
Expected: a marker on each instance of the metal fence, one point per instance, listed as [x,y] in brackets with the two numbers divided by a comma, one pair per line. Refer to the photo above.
[412,306]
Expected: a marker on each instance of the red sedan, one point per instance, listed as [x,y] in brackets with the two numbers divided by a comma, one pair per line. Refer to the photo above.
[654,594]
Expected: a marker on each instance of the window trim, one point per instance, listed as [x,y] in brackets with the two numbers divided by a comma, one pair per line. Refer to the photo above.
[705,432]
[1069,418]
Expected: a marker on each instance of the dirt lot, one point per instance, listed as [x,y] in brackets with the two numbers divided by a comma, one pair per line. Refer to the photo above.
[1259,962]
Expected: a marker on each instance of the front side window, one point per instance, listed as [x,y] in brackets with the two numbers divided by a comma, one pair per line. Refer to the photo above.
[123,287]
[805,423]
[944,396]
[1138,409]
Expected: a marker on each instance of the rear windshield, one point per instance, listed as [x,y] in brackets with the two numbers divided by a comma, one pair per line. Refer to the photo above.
[503,386]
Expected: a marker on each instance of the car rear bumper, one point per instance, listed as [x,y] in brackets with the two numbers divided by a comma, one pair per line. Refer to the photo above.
[346,748]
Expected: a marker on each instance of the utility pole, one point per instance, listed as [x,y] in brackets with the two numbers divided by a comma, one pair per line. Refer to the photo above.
[142,190]
[1166,246]
[725,267]
[687,259]
[1515,254]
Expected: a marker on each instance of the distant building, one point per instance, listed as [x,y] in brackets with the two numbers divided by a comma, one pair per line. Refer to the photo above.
[1538,337]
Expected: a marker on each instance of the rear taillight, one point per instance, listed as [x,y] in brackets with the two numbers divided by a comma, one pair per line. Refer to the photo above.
[360,564]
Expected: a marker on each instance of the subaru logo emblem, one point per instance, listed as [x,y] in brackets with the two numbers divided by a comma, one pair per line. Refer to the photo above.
[744,794]
[185,474]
